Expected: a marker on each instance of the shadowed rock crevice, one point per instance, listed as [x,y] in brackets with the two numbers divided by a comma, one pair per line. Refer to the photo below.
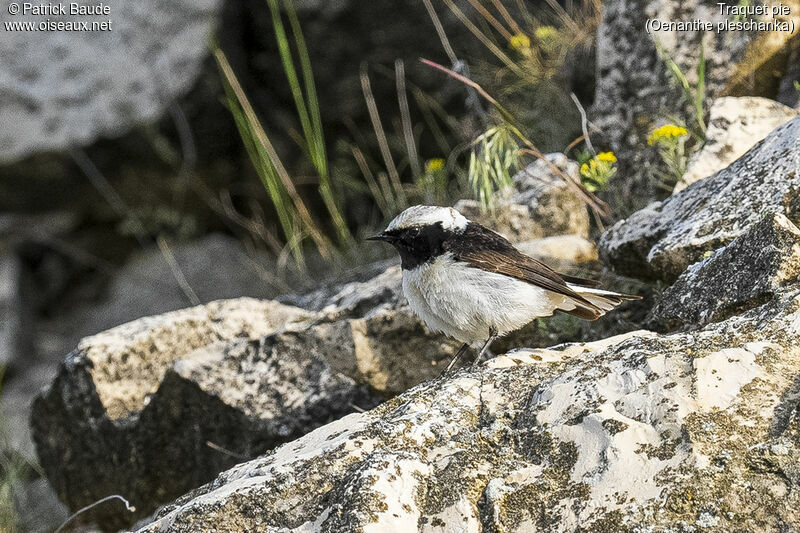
[743,275]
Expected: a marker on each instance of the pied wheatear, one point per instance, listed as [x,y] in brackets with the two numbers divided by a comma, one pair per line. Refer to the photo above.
[471,284]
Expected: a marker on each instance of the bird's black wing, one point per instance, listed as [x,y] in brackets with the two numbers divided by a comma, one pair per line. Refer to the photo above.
[482,248]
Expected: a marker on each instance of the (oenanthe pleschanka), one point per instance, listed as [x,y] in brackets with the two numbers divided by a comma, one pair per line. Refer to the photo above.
[470,283]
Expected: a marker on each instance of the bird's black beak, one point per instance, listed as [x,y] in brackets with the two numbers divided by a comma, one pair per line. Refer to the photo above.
[380,237]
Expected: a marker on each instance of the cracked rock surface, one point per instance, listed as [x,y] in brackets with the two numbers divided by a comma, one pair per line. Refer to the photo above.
[158,406]
[155,407]
[637,431]
[663,239]
[748,271]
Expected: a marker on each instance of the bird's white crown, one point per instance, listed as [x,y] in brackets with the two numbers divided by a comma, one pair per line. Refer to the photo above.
[423,215]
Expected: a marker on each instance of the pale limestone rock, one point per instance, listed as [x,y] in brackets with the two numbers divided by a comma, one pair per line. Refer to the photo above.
[66,89]
[640,432]
[158,406]
[735,124]
[663,239]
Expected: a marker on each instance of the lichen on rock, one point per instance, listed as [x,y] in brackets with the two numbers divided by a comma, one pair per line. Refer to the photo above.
[663,239]
[640,431]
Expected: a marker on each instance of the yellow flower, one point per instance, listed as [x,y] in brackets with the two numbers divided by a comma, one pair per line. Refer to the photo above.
[584,169]
[668,131]
[432,165]
[546,33]
[520,42]
[607,157]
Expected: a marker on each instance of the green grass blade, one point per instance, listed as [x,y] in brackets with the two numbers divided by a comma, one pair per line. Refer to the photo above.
[318,151]
[307,105]
[700,92]
[285,52]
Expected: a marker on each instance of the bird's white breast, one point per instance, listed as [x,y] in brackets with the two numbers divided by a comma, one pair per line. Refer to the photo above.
[466,302]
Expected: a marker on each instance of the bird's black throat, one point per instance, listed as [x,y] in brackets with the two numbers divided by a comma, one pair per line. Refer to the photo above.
[418,244]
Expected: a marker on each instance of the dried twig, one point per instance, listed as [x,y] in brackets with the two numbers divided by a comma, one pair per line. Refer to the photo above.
[380,134]
[405,118]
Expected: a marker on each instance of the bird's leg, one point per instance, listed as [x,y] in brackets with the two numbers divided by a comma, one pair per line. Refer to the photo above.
[492,337]
[455,358]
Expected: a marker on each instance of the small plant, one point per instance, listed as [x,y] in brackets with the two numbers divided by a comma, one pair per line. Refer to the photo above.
[432,184]
[498,149]
[694,94]
[597,171]
[670,140]
[797,85]
[494,155]
[520,43]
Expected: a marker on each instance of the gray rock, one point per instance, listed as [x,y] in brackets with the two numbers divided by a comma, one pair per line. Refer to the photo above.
[744,274]
[60,93]
[734,126]
[639,432]
[221,382]
[158,406]
[635,89]
[215,267]
[569,249]
[663,239]
[374,285]
[11,327]
[788,94]
[541,204]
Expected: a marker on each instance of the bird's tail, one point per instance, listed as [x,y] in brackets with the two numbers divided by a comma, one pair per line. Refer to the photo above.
[596,302]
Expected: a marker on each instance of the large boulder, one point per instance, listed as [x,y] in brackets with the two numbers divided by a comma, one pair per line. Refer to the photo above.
[221,383]
[540,204]
[155,407]
[62,93]
[638,432]
[734,126]
[663,239]
[746,273]
[635,89]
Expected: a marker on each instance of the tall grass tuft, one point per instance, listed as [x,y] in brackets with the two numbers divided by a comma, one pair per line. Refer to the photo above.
[694,94]
[305,98]
[293,214]
[494,156]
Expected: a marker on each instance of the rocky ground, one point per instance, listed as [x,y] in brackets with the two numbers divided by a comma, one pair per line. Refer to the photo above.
[692,430]
[695,428]
[293,410]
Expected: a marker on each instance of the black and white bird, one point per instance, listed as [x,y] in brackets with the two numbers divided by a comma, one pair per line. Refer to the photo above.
[468,282]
